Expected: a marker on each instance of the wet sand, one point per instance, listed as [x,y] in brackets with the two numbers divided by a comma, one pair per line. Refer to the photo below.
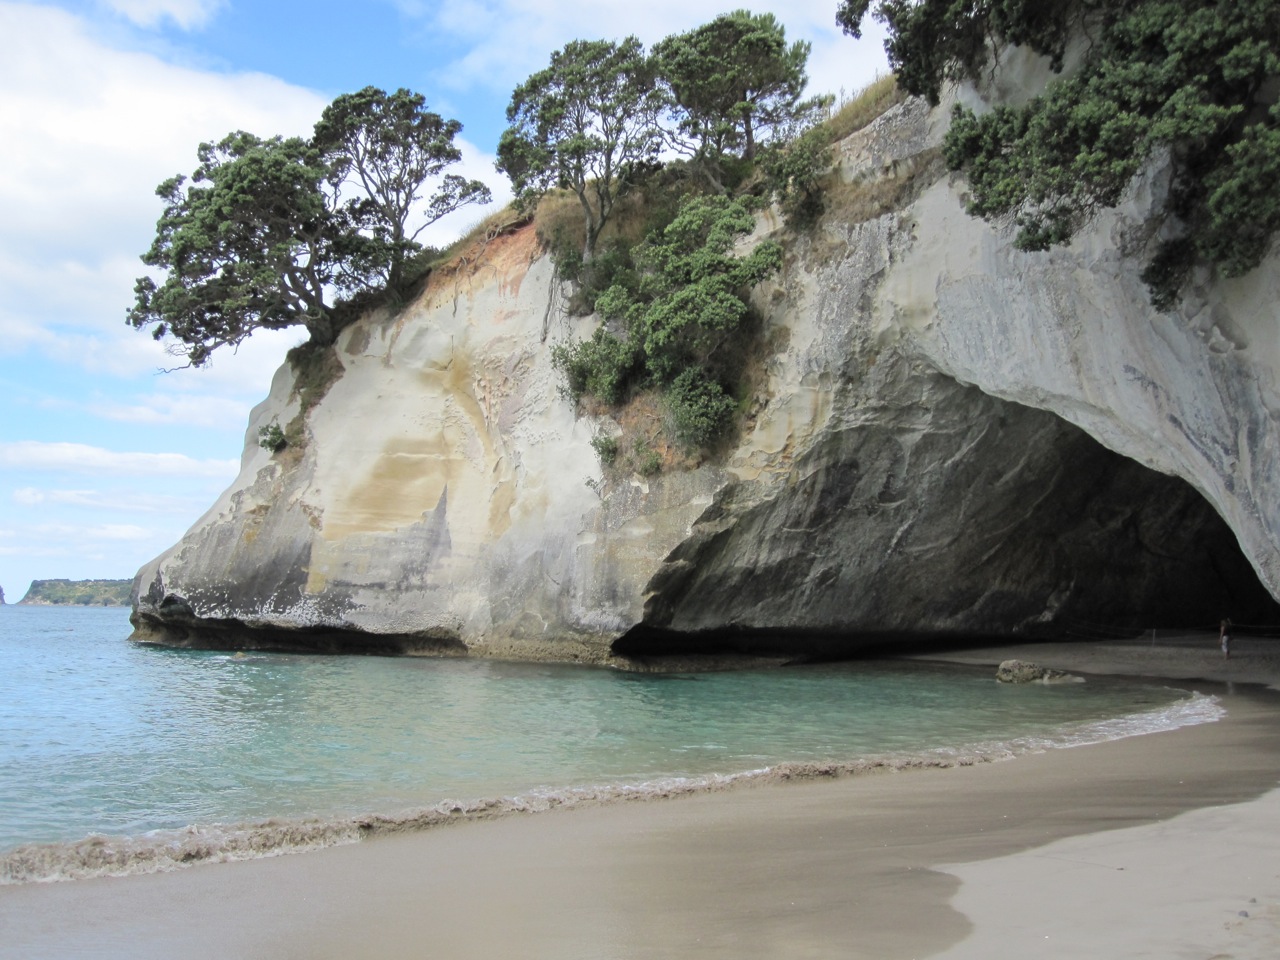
[949,863]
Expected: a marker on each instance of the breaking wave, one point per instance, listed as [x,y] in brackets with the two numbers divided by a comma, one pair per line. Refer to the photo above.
[166,850]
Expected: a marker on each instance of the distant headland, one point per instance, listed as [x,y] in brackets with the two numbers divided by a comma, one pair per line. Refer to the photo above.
[78,593]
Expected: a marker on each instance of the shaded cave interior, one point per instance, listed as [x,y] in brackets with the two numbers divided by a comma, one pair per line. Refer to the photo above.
[1083,544]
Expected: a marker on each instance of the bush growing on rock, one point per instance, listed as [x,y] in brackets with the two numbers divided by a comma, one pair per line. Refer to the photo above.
[1196,78]
[679,320]
[700,408]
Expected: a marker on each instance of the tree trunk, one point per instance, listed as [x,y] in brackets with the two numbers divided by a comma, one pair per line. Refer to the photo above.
[323,329]
[592,229]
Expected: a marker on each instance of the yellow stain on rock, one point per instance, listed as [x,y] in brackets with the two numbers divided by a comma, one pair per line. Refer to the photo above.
[405,481]
[411,472]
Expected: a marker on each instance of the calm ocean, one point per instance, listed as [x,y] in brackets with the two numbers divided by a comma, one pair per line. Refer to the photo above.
[116,758]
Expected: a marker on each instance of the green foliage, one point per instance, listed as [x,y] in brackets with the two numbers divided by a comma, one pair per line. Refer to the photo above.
[251,242]
[648,460]
[606,449]
[611,266]
[793,172]
[94,593]
[731,83]
[934,41]
[691,297]
[261,233]
[1195,78]
[271,437]
[390,146]
[683,315]
[588,122]
[601,367]
[700,409]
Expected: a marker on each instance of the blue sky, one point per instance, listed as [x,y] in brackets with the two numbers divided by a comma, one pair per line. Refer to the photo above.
[104,461]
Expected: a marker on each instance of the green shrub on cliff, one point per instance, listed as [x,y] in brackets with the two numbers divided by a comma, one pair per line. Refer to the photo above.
[691,298]
[680,324]
[1195,78]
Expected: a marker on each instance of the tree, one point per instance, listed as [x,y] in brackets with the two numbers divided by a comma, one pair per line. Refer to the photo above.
[731,81]
[588,123]
[389,146]
[1195,79]
[249,242]
[262,234]
[934,41]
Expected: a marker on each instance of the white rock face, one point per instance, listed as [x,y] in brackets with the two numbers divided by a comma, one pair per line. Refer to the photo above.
[908,465]
[446,493]
[1191,393]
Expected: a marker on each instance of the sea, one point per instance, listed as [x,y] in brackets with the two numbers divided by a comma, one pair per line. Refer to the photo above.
[120,758]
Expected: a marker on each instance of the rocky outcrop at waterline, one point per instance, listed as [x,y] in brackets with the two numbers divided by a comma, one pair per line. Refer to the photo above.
[948,437]
[1020,671]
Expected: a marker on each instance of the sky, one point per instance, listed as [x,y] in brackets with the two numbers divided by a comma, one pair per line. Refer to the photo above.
[105,458]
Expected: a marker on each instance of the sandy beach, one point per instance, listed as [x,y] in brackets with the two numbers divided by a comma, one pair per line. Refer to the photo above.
[1166,845]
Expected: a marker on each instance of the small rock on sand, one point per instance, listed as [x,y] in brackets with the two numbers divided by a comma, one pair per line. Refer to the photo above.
[1020,671]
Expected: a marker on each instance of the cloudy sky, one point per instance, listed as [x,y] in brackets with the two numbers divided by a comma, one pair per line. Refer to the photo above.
[105,460]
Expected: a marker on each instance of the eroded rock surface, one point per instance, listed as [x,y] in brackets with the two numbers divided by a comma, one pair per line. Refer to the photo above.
[950,438]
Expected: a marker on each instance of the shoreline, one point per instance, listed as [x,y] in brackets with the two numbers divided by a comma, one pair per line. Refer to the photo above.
[875,866]
[225,840]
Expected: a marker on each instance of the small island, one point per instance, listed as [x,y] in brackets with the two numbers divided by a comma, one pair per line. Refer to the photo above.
[78,593]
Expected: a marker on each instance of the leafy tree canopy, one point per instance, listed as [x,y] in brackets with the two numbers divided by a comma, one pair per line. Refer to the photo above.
[390,146]
[732,81]
[587,122]
[934,41]
[249,242]
[1197,78]
[260,236]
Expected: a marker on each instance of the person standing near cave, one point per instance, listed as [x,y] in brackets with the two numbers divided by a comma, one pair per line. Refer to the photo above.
[1224,638]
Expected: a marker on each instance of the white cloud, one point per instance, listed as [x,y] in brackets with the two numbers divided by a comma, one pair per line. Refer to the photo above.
[114,501]
[82,458]
[509,39]
[86,133]
[187,14]
[114,532]
[192,410]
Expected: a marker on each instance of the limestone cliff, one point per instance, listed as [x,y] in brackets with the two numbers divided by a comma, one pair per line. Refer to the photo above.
[948,437]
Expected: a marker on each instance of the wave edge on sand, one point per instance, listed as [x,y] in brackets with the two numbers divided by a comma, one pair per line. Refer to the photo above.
[168,850]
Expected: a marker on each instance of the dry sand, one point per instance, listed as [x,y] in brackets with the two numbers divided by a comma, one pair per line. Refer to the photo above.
[1151,846]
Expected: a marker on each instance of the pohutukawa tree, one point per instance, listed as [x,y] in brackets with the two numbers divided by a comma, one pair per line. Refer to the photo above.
[251,241]
[266,232]
[732,82]
[588,123]
[389,147]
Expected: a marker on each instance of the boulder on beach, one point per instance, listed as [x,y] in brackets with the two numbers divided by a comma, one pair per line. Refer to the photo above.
[1020,671]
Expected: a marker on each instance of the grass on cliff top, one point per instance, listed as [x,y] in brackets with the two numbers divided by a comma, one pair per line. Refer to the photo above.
[487,228]
[868,104]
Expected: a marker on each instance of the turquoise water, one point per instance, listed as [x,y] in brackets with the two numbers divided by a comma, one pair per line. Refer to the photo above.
[102,737]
